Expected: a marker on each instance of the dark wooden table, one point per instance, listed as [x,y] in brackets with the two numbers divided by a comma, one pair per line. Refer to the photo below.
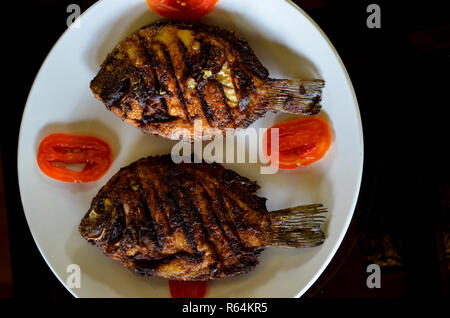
[400,74]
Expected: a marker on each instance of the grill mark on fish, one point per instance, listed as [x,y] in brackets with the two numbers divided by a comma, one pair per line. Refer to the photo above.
[202,64]
[150,223]
[188,67]
[163,226]
[188,70]
[225,221]
[182,216]
[175,219]
[188,225]
[207,111]
[161,193]
[179,92]
[223,244]
[150,59]
[214,212]
[165,77]
[245,85]
[157,118]
[124,111]
[225,103]
[235,212]
[213,98]
[113,95]
[197,219]
[227,48]
[162,115]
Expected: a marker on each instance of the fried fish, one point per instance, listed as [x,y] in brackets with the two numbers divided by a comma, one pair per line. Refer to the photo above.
[191,221]
[165,76]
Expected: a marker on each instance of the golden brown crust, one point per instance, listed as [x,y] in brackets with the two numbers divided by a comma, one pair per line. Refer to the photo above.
[168,74]
[182,221]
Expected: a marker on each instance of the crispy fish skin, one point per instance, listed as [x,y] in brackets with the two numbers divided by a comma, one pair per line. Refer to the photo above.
[179,221]
[191,221]
[167,75]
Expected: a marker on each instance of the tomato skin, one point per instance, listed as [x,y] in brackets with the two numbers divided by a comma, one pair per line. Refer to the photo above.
[55,149]
[182,9]
[301,142]
[187,289]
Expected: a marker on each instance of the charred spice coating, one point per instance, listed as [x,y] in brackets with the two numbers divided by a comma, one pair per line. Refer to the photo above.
[191,221]
[167,75]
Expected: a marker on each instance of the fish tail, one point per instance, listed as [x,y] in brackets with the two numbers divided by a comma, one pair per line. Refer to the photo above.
[296,96]
[299,227]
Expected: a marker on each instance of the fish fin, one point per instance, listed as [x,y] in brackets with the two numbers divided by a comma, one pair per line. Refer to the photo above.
[299,227]
[296,96]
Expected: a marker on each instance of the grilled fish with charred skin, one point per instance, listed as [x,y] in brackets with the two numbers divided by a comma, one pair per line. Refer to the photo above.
[167,75]
[191,221]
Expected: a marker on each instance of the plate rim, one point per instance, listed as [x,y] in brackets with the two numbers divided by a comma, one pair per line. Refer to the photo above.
[33,87]
[347,222]
[342,234]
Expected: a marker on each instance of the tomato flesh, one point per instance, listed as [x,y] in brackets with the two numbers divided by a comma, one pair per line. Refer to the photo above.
[301,142]
[182,9]
[187,289]
[57,152]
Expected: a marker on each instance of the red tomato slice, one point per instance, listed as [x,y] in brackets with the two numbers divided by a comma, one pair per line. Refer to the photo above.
[57,150]
[182,9]
[301,142]
[186,289]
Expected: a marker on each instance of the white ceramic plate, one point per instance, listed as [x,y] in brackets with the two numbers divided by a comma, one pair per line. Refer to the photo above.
[289,44]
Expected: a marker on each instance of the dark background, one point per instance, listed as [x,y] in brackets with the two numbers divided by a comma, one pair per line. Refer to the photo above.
[400,75]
